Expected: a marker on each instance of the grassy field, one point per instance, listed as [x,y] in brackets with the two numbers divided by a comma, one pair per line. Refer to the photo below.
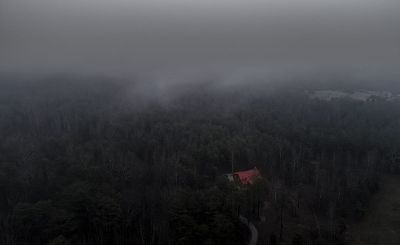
[381,225]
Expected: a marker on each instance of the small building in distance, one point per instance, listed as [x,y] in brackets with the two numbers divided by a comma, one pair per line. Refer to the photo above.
[359,95]
[247,177]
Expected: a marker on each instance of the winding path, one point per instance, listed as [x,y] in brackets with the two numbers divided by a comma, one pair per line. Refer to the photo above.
[252,228]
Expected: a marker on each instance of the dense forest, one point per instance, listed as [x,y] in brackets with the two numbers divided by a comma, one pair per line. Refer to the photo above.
[94,161]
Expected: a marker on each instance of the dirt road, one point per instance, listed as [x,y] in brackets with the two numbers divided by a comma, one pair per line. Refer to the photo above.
[252,228]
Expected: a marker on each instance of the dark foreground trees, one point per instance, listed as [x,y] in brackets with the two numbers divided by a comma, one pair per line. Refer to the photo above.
[86,162]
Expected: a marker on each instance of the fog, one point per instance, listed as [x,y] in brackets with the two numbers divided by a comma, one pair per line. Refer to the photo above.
[198,122]
[123,36]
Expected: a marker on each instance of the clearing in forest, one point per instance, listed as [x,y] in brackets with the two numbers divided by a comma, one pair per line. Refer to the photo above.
[381,225]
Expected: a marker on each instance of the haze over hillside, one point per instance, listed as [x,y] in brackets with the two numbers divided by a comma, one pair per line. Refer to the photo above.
[199,122]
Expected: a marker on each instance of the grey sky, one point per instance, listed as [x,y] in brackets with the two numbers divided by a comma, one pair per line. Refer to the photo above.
[122,35]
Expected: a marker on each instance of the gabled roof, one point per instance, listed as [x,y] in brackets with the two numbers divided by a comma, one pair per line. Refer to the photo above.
[248,176]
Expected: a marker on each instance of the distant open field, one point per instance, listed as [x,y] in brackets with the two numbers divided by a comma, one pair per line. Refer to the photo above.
[382,222]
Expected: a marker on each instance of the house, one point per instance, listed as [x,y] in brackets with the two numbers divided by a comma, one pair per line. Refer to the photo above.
[247,177]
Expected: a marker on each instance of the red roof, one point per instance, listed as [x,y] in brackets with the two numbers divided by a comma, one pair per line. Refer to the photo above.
[248,176]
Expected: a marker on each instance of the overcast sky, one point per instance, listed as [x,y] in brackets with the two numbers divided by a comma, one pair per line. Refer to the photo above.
[122,35]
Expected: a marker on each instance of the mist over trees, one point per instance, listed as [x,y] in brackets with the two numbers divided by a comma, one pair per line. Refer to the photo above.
[97,161]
